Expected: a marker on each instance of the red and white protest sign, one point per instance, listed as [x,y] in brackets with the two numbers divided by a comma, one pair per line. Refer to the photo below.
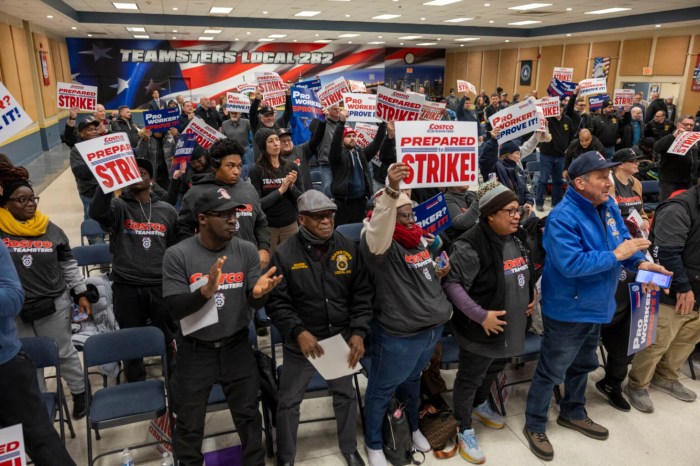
[12,446]
[365,134]
[77,95]
[465,86]
[237,102]
[273,88]
[361,107]
[551,106]
[13,118]
[111,160]
[332,93]
[357,86]
[438,153]
[541,121]
[683,142]
[432,111]
[592,86]
[623,97]
[515,120]
[563,74]
[205,135]
[398,106]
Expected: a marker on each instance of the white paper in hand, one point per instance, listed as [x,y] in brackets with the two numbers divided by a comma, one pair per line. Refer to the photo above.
[206,316]
[334,362]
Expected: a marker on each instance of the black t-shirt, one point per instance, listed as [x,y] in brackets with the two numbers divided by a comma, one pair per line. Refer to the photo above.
[626,198]
[281,209]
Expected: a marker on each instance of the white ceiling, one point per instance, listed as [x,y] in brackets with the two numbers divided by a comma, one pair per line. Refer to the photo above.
[411,11]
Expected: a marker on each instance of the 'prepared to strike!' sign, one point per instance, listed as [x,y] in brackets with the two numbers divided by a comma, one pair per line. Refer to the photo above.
[438,153]
[77,95]
[111,160]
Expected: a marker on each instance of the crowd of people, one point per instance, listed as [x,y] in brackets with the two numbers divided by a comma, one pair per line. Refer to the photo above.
[251,222]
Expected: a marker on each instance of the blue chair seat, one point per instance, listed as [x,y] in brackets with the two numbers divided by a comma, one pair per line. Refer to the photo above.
[126,400]
[50,400]
[216,395]
[533,342]
[450,351]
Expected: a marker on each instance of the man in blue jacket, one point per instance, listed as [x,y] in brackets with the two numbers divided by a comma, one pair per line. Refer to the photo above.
[586,243]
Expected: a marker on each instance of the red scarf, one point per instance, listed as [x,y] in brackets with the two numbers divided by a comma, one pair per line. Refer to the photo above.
[408,237]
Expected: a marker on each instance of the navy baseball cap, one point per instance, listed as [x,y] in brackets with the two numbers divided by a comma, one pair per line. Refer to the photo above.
[266,110]
[588,162]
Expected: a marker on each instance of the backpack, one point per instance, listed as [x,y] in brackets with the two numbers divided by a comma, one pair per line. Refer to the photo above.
[398,444]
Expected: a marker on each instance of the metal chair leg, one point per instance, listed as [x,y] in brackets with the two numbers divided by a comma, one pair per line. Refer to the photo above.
[690,366]
[67,419]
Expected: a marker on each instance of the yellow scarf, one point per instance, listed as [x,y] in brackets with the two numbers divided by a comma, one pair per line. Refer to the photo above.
[35,226]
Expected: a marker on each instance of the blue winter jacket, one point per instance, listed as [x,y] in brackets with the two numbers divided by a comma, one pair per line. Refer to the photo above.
[580,270]
[11,299]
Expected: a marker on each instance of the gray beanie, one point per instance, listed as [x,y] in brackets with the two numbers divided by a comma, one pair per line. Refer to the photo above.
[493,196]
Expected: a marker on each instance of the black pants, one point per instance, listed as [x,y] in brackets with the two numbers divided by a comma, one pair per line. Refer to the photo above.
[472,385]
[198,368]
[138,306]
[615,336]
[20,403]
[350,210]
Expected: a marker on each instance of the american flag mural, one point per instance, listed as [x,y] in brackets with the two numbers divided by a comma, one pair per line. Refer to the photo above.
[601,67]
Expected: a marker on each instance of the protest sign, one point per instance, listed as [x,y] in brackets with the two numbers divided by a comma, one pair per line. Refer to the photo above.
[438,153]
[361,107]
[183,151]
[236,102]
[623,97]
[273,88]
[398,106]
[357,86]
[551,106]
[72,95]
[432,111]
[205,135]
[515,120]
[111,161]
[13,118]
[682,144]
[314,84]
[12,446]
[365,134]
[644,318]
[595,102]
[332,93]
[563,74]
[558,88]
[305,107]
[160,121]
[432,215]
[246,88]
[541,121]
[592,86]
[465,86]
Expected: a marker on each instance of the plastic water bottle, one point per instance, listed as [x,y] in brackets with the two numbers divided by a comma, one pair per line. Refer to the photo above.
[127,459]
[167,460]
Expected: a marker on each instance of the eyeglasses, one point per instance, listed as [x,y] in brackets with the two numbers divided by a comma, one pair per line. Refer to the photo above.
[319,216]
[226,215]
[24,200]
[406,215]
[513,212]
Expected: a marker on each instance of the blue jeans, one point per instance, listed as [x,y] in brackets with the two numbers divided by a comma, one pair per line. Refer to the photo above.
[397,363]
[326,179]
[550,166]
[567,355]
[609,152]
[86,200]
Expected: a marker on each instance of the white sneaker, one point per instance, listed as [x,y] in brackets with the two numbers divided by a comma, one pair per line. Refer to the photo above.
[420,442]
[376,457]
[469,447]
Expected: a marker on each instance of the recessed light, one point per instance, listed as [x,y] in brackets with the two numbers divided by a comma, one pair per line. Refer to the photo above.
[347,16]
[380,37]
[205,38]
[606,11]
[73,28]
[212,31]
[174,37]
[349,42]
[175,8]
[142,36]
[569,9]
[265,39]
[316,35]
[265,12]
[277,36]
[529,6]
[248,33]
[125,6]
[411,37]
[348,35]
[49,16]
[136,29]
[400,43]
[174,30]
[439,38]
[323,41]
[236,38]
[487,4]
[524,23]
[220,10]
[89,35]
[568,35]
[386,16]
[422,19]
[428,43]
[294,40]
[308,14]
[657,26]
[507,40]
[457,20]
[461,45]
[376,42]
[441,2]
[467,39]
[491,22]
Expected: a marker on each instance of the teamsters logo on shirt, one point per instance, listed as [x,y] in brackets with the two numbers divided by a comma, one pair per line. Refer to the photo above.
[27,260]
[341,259]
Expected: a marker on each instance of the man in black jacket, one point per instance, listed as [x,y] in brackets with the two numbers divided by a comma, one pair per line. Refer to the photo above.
[325,291]
[124,124]
[157,103]
[655,104]
[676,171]
[606,127]
[208,114]
[552,159]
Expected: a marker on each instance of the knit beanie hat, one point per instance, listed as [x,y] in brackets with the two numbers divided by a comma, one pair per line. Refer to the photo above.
[493,196]
[261,136]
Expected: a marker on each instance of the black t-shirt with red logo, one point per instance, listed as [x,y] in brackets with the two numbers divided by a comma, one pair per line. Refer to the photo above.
[37,260]
[281,209]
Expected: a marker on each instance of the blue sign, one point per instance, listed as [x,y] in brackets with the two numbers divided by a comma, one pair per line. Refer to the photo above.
[313,84]
[183,150]
[644,318]
[560,89]
[432,215]
[595,102]
[160,121]
[305,107]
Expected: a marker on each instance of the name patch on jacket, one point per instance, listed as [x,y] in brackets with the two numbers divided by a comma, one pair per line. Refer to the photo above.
[300,266]
[612,224]
[342,262]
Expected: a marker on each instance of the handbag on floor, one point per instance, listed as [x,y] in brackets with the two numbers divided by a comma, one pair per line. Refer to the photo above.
[398,444]
[439,425]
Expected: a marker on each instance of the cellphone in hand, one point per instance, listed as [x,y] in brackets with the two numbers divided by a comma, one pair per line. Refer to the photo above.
[78,315]
[442,260]
[647,276]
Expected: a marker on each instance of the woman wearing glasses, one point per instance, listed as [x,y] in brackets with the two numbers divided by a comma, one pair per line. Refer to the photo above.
[410,310]
[491,286]
[47,270]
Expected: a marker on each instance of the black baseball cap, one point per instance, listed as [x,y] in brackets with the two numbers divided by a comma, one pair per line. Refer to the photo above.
[266,110]
[625,155]
[284,132]
[607,103]
[89,120]
[214,200]
[588,162]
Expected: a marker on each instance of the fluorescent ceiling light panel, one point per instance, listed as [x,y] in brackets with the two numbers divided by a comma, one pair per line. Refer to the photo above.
[220,10]
[206,38]
[529,6]
[606,11]
[308,13]
[277,36]
[428,43]
[467,39]
[125,6]
[141,36]
[410,37]
[457,20]
[441,2]
[212,31]
[376,42]
[265,39]
[323,41]
[524,23]
[136,29]
[385,16]
[348,35]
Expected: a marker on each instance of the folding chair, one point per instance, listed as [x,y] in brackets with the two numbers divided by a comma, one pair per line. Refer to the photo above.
[127,403]
[90,228]
[95,255]
[44,352]
[316,180]
[532,169]
[450,352]
[650,194]
[351,231]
